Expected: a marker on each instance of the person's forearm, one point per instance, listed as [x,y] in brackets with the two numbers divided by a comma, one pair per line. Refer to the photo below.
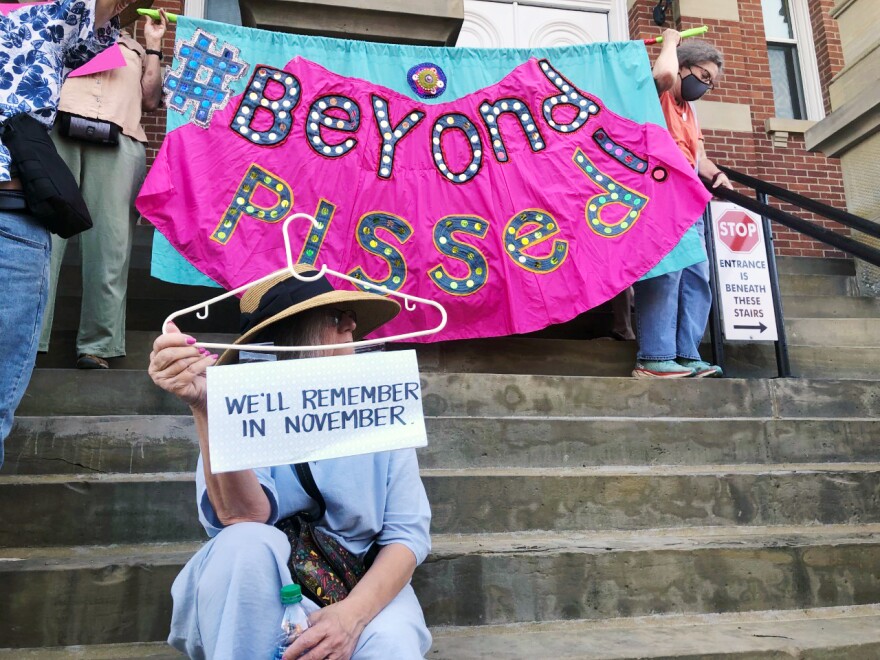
[666,66]
[235,496]
[706,167]
[390,572]
[151,81]
[104,11]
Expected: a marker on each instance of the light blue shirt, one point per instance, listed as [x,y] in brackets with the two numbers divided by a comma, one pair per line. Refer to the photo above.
[371,498]
[39,46]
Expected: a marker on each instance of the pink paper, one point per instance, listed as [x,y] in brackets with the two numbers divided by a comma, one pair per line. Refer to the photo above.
[511,247]
[7,7]
[112,58]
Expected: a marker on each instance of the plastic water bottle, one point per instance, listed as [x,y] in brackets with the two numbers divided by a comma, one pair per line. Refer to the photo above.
[294,622]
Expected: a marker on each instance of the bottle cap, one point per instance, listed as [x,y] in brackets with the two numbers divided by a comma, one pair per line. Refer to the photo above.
[291,594]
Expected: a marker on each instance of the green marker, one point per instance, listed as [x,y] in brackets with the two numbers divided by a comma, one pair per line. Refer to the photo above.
[693,32]
[154,14]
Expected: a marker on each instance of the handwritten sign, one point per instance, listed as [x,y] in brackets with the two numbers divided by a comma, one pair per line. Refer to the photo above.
[293,411]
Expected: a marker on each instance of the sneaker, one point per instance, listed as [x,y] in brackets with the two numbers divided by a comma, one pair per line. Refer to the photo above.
[86,361]
[661,369]
[701,369]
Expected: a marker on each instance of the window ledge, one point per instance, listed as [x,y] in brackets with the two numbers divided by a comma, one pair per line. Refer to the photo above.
[779,129]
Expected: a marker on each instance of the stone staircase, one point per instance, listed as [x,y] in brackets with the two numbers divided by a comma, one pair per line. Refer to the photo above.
[578,513]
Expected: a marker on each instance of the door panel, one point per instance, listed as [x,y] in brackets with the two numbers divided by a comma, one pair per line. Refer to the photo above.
[515,25]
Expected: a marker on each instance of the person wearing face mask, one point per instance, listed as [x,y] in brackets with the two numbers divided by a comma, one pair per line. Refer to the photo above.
[672,309]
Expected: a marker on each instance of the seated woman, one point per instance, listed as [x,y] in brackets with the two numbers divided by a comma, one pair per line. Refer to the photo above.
[226,599]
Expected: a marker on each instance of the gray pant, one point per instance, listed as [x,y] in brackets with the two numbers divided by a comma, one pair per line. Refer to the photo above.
[109,178]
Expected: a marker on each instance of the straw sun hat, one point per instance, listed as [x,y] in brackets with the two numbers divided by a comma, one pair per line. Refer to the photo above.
[284,296]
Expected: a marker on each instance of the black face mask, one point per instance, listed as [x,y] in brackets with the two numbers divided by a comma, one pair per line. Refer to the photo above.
[692,87]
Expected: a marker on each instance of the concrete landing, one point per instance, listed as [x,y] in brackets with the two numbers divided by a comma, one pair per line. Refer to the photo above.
[818,634]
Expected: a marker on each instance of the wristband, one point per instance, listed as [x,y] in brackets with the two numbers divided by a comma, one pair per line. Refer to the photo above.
[157,53]
[715,177]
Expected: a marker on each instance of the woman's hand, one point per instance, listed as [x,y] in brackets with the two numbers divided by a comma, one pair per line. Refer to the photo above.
[333,632]
[722,181]
[671,36]
[155,30]
[179,367]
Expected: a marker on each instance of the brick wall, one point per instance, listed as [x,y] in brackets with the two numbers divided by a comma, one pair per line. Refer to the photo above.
[746,80]
[154,122]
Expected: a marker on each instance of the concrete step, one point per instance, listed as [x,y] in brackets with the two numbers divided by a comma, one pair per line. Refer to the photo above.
[610,359]
[800,284]
[135,651]
[576,357]
[166,443]
[815,266]
[833,333]
[121,392]
[91,595]
[830,307]
[477,579]
[514,578]
[803,336]
[110,508]
[816,634]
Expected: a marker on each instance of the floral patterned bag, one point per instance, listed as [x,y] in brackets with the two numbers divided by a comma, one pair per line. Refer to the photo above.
[318,562]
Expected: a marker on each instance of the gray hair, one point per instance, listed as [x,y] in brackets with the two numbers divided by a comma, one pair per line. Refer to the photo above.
[303,329]
[695,51]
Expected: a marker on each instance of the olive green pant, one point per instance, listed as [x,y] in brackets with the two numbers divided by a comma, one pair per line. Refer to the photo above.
[109,178]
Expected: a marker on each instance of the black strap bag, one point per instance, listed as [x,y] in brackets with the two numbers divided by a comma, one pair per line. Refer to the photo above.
[325,570]
[49,187]
[95,131]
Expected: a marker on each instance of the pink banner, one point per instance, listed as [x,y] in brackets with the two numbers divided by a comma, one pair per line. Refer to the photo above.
[518,206]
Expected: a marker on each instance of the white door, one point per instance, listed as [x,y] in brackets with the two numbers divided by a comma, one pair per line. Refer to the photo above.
[504,24]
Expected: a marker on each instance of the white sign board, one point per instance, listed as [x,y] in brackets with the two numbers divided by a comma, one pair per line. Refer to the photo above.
[743,276]
[293,411]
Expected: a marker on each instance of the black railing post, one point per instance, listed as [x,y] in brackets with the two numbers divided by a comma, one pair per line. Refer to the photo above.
[783,366]
[715,332]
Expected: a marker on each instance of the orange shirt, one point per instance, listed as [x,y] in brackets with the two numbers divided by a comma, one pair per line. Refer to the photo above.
[682,125]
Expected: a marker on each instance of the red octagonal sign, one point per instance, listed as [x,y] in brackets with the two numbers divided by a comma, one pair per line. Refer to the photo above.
[738,230]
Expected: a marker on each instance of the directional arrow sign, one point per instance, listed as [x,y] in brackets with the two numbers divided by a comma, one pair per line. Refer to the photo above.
[760,327]
[745,296]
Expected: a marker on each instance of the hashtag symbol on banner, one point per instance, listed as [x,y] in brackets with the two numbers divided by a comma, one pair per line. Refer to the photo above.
[200,82]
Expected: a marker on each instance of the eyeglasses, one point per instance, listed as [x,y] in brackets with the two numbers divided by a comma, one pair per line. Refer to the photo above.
[703,75]
[337,314]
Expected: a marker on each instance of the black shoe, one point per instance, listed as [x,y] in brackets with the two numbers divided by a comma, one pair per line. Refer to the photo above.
[86,361]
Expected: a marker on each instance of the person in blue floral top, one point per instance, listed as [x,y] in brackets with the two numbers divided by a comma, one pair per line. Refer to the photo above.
[39,46]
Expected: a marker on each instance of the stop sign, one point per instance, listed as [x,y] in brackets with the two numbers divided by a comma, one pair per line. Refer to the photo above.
[738,231]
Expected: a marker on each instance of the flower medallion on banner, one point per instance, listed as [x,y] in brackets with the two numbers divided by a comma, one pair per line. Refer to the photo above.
[427,80]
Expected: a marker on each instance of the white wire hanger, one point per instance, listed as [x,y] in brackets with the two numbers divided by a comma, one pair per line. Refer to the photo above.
[409,303]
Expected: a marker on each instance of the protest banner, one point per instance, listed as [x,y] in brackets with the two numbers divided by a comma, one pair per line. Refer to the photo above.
[516,201]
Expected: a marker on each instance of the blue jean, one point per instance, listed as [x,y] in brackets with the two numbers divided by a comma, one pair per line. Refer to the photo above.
[672,311]
[25,250]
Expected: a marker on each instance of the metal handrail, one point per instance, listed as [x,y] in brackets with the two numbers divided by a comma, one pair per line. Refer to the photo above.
[822,234]
[817,232]
[843,217]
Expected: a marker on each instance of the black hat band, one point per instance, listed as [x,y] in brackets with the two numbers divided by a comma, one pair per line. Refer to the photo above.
[283,295]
